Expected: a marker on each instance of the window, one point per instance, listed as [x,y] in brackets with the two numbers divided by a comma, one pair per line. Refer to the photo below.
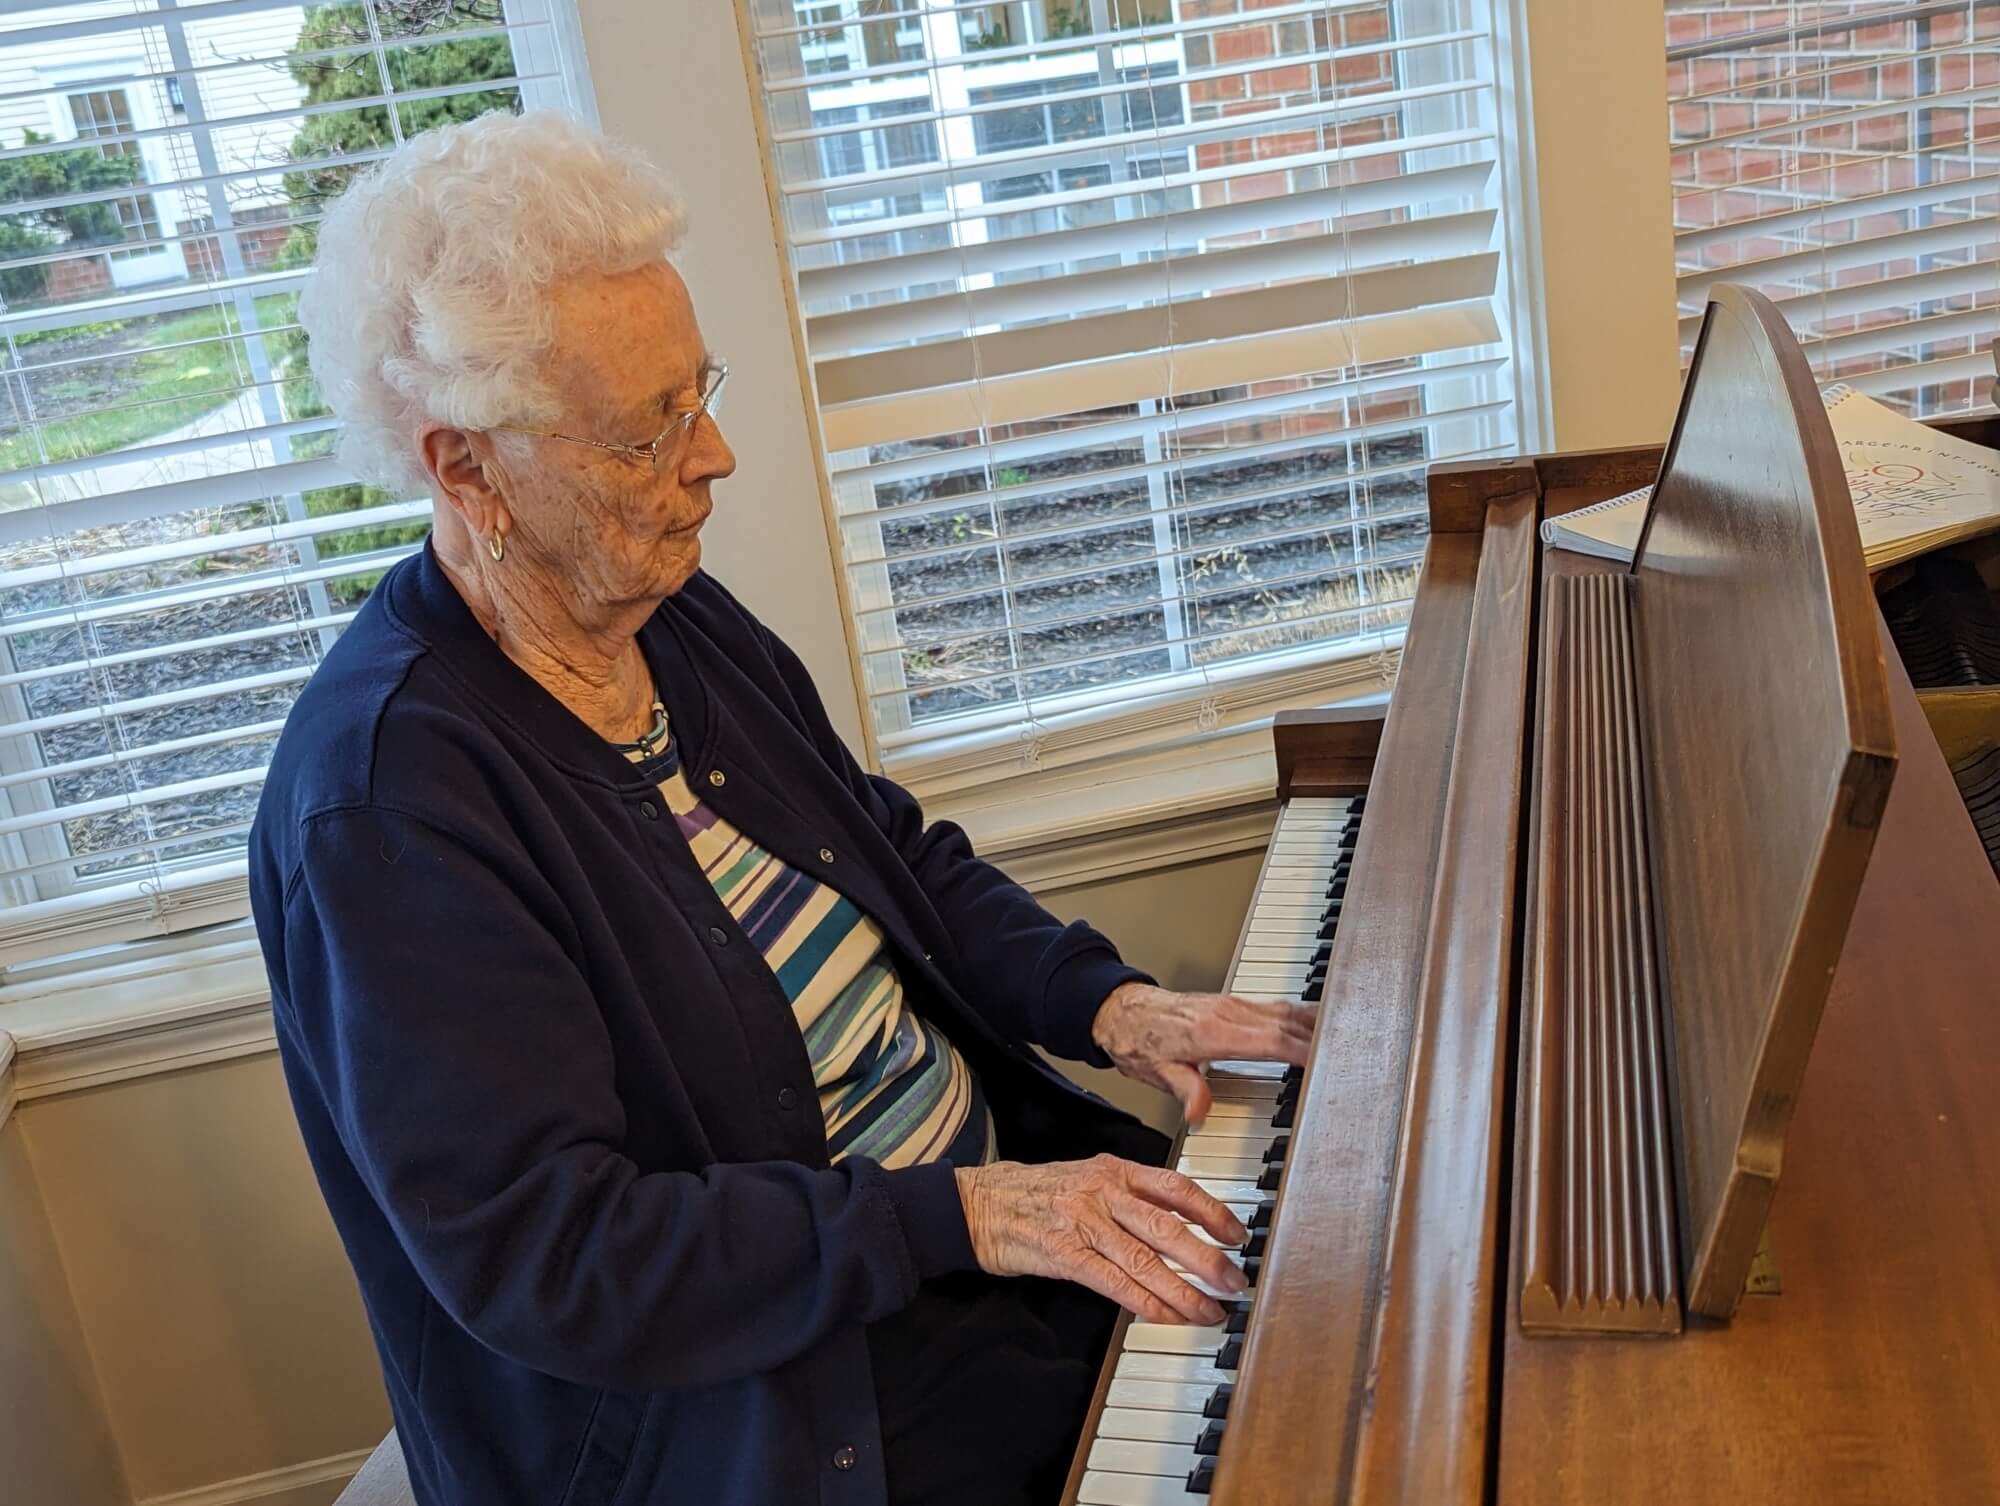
[108,113]
[1127,382]
[1844,159]
[177,547]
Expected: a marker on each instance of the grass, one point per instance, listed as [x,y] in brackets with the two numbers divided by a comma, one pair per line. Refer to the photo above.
[119,400]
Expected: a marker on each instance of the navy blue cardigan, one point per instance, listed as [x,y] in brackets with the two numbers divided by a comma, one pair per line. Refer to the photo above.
[559,1108]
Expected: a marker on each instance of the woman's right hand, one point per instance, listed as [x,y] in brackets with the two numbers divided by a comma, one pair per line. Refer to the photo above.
[1105,1224]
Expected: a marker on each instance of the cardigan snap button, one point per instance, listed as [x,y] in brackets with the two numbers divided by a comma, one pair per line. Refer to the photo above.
[719,936]
[826,854]
[717,778]
[648,810]
[843,1457]
[787,1099]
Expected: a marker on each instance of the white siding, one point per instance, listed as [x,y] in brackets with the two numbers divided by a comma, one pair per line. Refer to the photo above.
[256,82]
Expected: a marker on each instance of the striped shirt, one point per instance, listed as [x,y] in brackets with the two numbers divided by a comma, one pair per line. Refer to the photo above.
[891,1088]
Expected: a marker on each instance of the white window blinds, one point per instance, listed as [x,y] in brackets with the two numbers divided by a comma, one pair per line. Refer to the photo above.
[1132,326]
[177,548]
[1844,158]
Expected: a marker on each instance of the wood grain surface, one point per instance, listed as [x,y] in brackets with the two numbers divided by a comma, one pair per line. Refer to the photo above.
[1430,1383]
[1870,1379]
[1767,751]
[1595,1190]
[1294,1418]
[1327,750]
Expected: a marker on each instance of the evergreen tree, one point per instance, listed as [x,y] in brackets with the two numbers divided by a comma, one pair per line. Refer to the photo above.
[358,75]
[52,175]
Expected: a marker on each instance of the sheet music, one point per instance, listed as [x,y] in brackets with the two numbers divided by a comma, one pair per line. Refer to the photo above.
[1914,489]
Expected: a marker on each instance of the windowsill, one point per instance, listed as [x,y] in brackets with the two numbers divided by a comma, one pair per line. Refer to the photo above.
[1055,829]
[208,1003]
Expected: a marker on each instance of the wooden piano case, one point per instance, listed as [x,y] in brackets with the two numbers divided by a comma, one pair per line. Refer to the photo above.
[1387,1358]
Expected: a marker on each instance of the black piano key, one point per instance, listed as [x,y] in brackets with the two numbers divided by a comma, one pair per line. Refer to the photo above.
[1201,1479]
[1286,1113]
[1255,1244]
[1357,805]
[1209,1444]
[1275,1151]
[1313,992]
[1294,1074]
[1217,1404]
[1230,1355]
[1253,1266]
[1264,1213]
[1238,1320]
[1268,1182]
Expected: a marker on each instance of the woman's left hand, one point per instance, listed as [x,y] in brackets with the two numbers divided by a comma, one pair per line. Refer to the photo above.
[1165,1038]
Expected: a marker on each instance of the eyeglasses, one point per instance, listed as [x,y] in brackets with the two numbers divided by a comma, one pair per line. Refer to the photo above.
[667,444]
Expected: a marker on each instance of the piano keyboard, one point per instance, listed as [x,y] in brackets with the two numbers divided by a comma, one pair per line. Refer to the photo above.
[1165,1411]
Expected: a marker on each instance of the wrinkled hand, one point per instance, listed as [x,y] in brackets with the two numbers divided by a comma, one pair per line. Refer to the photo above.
[1105,1224]
[1164,1038]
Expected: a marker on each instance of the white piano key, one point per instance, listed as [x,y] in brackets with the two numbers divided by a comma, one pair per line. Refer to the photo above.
[1173,1338]
[1150,1425]
[1277,975]
[1187,1369]
[1233,1110]
[1157,1395]
[1236,1085]
[1104,1488]
[1292,956]
[1272,990]
[1208,1143]
[1275,1071]
[1238,1127]
[1126,1456]
[1231,1192]
[1223,1168]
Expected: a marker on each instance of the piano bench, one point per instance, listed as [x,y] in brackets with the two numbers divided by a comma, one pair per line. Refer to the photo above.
[382,1481]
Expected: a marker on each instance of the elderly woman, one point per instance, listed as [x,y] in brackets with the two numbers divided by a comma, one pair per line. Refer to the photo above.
[671,1084]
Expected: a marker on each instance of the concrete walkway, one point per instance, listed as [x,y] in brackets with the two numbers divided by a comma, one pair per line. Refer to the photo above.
[224,457]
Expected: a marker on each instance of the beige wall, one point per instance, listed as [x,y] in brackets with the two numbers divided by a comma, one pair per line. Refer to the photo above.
[55,1449]
[1592,105]
[215,1299]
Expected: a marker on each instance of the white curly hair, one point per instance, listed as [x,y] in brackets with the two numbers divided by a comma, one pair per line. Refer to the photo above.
[429,298]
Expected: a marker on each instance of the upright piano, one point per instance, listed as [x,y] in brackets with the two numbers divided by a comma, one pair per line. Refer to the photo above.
[1649,1150]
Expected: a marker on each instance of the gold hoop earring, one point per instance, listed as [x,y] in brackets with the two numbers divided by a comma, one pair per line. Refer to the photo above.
[497,546]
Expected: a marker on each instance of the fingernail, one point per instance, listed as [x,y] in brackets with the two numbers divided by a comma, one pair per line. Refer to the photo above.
[1238,1282]
[1211,1314]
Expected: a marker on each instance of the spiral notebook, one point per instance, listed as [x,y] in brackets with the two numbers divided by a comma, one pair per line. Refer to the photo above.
[1914,489]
